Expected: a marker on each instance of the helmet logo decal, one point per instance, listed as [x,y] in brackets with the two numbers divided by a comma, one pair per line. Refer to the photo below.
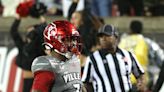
[52,30]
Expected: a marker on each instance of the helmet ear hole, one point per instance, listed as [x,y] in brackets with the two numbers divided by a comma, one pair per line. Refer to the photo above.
[47,47]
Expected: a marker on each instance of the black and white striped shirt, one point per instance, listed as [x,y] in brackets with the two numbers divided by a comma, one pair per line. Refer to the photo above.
[111,73]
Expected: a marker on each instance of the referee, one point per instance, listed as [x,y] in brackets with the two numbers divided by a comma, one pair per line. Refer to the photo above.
[109,69]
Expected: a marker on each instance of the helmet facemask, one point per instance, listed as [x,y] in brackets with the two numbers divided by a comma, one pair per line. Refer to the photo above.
[73,44]
[66,46]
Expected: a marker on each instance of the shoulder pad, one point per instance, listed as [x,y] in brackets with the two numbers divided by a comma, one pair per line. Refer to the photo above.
[41,64]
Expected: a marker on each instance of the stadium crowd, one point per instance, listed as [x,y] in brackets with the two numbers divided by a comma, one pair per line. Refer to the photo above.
[105,8]
[87,16]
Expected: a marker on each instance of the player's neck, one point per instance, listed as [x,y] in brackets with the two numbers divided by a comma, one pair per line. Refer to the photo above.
[58,56]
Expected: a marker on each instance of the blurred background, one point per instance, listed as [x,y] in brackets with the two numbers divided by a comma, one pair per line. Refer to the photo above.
[120,13]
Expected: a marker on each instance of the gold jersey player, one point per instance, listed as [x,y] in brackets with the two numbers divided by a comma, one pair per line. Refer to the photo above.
[59,71]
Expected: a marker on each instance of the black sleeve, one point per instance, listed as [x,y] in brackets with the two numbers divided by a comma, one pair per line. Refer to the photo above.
[16,35]
[18,41]
[72,9]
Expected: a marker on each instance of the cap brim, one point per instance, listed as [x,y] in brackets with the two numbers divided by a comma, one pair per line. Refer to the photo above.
[103,33]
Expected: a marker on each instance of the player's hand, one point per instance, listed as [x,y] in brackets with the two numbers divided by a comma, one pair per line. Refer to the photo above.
[42,19]
[18,16]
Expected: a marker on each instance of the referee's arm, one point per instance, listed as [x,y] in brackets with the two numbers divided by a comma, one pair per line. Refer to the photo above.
[87,75]
[138,72]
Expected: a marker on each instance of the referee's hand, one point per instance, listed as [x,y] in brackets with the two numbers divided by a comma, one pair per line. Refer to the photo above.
[141,84]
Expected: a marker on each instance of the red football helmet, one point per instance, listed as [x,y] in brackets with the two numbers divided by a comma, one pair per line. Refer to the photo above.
[62,37]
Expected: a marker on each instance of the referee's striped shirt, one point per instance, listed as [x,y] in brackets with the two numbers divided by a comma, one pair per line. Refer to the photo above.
[111,73]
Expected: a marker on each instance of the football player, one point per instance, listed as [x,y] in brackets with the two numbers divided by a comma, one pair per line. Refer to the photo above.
[59,71]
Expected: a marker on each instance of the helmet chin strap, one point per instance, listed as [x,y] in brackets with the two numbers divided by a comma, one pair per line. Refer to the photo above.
[67,54]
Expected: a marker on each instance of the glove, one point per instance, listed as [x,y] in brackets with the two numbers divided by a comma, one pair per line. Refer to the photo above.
[23,8]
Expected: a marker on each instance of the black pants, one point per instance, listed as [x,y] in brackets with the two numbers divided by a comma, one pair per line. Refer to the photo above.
[27,85]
